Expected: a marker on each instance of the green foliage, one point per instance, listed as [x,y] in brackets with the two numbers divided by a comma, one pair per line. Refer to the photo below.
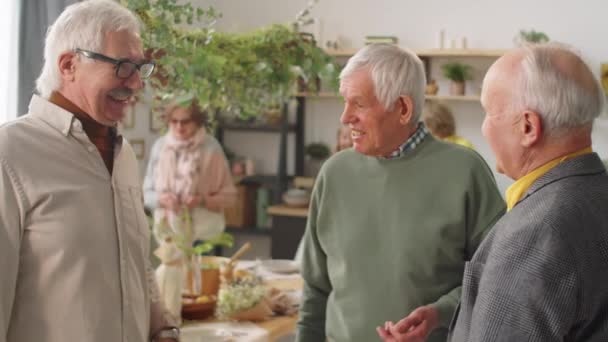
[237,73]
[317,151]
[532,36]
[223,239]
[457,72]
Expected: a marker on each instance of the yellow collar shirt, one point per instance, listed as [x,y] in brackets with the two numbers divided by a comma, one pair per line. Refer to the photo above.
[74,240]
[517,190]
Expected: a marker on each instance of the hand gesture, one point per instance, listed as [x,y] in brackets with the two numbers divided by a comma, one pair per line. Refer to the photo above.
[193,201]
[413,328]
[169,201]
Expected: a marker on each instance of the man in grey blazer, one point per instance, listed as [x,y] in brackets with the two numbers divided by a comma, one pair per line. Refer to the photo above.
[541,274]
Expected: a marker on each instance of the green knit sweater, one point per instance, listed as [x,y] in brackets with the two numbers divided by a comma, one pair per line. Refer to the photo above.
[385,236]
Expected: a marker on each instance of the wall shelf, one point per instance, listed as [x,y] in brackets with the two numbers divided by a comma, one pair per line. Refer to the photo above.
[281,178]
[434,52]
[462,98]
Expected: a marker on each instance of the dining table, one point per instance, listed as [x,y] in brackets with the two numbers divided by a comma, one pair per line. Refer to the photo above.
[272,329]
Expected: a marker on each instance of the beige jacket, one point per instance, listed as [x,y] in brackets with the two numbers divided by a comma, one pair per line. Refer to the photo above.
[74,241]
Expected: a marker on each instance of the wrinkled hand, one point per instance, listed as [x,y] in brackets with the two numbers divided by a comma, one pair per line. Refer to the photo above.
[169,201]
[413,328]
[193,201]
[212,202]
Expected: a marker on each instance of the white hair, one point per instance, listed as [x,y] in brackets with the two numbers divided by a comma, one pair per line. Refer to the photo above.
[563,99]
[81,25]
[394,72]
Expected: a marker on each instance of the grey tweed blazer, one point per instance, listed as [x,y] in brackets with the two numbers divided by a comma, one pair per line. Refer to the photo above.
[541,274]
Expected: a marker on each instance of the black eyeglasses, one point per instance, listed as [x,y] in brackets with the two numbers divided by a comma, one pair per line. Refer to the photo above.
[124,67]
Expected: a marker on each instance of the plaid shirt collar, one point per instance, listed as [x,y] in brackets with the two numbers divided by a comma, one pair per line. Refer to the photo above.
[411,143]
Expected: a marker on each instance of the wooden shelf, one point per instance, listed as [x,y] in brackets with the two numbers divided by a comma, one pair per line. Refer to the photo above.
[462,98]
[434,52]
[283,210]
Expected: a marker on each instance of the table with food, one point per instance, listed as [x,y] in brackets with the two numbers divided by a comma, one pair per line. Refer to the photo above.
[230,300]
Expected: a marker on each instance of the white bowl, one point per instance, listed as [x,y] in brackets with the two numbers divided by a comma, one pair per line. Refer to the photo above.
[296,201]
[297,193]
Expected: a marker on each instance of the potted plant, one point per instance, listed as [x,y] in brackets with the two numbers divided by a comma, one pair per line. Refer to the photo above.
[458,74]
[531,37]
[236,74]
[317,153]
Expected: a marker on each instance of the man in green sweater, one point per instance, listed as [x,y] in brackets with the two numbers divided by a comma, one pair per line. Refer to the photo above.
[392,220]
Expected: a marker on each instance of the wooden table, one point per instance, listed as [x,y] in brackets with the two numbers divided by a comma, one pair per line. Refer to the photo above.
[283,325]
[278,327]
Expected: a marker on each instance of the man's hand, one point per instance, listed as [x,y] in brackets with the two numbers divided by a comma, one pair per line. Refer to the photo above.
[169,201]
[413,328]
[193,201]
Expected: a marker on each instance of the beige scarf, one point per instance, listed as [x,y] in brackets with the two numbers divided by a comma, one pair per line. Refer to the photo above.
[178,165]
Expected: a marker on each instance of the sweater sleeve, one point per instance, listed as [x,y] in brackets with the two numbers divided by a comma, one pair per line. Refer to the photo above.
[150,194]
[221,178]
[317,286]
[484,206]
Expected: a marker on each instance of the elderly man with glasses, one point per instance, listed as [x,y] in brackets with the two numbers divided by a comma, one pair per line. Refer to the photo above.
[74,240]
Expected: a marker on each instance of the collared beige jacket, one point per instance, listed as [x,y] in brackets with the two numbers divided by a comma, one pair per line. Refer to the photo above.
[74,240]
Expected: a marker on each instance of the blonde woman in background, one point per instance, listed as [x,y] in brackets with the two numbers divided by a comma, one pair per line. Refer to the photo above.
[440,121]
[343,138]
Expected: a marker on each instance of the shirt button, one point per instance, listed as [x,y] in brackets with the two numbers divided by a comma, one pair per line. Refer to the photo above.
[91,148]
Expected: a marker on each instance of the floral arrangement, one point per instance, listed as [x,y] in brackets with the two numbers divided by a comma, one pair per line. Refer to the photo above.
[239,296]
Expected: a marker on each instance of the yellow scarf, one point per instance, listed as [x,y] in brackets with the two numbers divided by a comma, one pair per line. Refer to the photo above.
[519,188]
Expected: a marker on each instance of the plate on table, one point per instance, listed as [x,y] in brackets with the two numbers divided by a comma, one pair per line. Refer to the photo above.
[284,266]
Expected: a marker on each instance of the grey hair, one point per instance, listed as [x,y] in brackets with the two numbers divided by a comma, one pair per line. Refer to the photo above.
[394,72]
[562,99]
[81,25]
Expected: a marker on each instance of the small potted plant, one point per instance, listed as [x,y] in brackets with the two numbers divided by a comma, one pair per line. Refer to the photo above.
[316,153]
[458,74]
[531,37]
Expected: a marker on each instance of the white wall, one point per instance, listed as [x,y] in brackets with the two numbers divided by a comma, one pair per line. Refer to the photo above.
[9,35]
[486,24]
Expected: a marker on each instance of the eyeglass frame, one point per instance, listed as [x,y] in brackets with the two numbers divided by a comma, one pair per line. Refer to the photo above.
[118,62]
[181,122]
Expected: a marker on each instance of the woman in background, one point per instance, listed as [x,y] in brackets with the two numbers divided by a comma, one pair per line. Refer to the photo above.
[343,138]
[187,172]
[439,120]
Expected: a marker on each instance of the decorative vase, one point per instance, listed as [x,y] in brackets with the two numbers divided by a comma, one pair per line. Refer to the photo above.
[456,88]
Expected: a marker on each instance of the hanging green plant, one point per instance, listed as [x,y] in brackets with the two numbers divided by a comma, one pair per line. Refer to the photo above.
[239,74]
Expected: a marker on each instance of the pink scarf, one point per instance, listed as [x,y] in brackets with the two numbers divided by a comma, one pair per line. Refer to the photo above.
[178,165]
